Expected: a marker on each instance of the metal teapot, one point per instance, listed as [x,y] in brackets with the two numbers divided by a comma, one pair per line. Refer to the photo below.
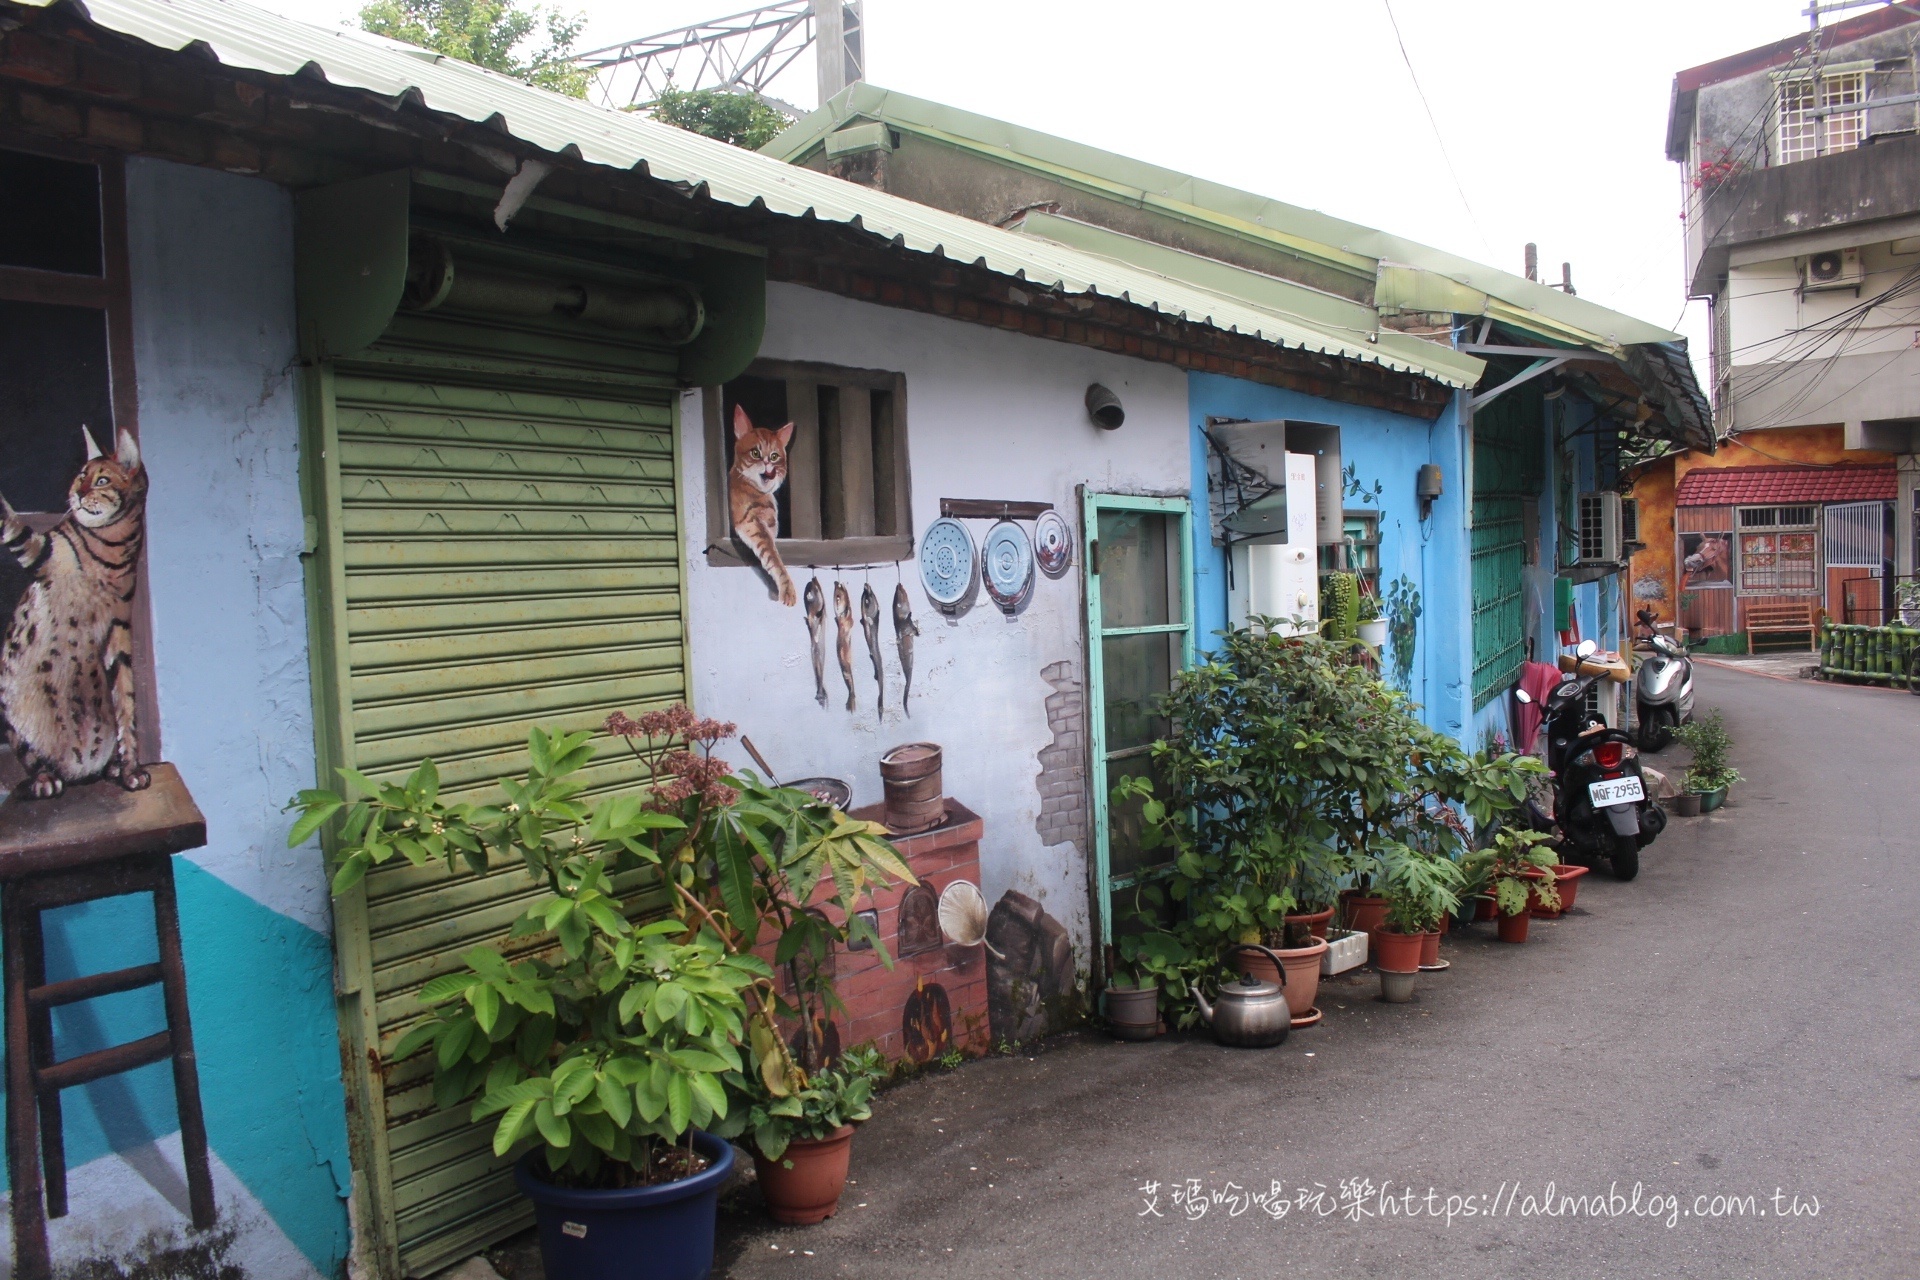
[1249,1014]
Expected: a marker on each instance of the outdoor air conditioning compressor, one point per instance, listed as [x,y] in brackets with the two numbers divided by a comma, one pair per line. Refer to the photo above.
[1600,521]
[1837,269]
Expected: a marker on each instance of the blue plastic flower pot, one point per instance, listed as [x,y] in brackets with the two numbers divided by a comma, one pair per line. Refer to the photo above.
[646,1233]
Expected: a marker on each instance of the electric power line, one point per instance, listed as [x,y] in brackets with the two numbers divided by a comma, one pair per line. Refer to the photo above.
[1431,120]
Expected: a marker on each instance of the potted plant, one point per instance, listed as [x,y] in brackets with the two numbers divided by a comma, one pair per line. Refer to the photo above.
[614,1053]
[803,1140]
[1372,627]
[1517,870]
[1154,965]
[1709,775]
[1422,890]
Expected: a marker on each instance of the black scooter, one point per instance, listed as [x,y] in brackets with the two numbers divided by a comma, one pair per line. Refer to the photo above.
[1600,803]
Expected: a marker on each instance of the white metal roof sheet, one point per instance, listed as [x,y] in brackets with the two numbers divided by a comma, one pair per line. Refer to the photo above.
[242,36]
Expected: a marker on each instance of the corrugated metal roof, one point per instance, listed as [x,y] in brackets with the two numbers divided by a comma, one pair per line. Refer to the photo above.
[239,35]
[1510,299]
[1778,486]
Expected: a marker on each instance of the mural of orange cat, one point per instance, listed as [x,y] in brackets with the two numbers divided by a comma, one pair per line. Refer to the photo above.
[759,469]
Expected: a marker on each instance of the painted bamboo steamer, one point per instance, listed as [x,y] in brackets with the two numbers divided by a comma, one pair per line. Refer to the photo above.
[910,774]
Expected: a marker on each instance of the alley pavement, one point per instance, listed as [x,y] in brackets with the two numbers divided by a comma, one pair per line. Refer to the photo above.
[1738,1022]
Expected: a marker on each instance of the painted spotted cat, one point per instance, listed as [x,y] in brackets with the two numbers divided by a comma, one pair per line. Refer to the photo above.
[66,671]
[759,469]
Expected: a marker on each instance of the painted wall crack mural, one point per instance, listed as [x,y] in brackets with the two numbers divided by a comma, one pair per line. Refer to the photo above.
[1063,771]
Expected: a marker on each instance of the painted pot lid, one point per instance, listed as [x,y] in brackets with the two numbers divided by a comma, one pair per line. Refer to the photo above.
[947,563]
[1007,561]
[1052,543]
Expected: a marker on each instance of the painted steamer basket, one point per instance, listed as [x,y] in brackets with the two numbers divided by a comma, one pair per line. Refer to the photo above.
[910,774]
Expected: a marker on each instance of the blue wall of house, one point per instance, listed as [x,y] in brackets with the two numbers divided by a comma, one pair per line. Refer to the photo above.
[1430,555]
[211,259]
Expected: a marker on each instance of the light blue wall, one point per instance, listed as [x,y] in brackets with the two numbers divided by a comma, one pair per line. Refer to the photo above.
[1388,448]
[211,258]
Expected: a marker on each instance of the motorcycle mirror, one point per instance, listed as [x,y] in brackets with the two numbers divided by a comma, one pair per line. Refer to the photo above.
[1587,649]
[1521,695]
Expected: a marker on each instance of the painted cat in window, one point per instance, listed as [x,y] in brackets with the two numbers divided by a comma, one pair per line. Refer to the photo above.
[66,670]
[759,469]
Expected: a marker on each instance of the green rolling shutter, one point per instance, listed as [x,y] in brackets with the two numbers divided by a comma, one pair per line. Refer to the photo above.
[1508,463]
[502,539]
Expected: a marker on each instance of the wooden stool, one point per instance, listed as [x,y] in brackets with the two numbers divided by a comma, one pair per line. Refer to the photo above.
[92,842]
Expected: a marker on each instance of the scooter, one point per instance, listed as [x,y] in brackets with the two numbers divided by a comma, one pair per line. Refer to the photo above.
[1662,689]
[1600,803]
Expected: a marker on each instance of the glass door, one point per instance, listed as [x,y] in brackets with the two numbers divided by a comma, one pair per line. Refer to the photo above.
[1139,566]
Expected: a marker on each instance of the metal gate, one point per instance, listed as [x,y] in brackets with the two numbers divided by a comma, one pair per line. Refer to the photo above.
[1509,444]
[1858,543]
[502,517]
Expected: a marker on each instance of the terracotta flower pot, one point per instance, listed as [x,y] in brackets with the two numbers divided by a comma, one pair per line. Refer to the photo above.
[1396,952]
[1686,804]
[1303,972]
[1485,908]
[1566,880]
[1316,921]
[1365,913]
[1430,948]
[1513,928]
[804,1185]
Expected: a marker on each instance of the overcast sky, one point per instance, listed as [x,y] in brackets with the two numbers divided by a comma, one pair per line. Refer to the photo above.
[1553,113]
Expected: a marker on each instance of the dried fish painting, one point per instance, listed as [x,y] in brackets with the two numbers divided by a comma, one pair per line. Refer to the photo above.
[904,630]
[816,602]
[870,626]
[843,623]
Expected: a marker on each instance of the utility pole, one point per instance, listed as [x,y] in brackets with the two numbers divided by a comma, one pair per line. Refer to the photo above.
[838,45]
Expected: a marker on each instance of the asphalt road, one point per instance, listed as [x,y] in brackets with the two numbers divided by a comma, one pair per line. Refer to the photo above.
[1739,1020]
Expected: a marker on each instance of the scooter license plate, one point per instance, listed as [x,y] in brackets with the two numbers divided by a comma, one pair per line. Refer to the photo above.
[1612,791]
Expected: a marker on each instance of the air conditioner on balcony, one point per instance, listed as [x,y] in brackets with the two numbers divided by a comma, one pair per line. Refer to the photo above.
[1838,269]
[1600,541]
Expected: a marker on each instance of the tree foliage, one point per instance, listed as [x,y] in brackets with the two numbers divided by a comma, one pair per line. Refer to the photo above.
[737,118]
[534,44]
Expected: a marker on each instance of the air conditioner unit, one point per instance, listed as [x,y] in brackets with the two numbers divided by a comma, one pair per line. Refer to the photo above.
[1600,541]
[1630,522]
[1838,269]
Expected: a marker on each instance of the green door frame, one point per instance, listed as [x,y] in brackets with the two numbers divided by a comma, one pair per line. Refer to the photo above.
[1091,505]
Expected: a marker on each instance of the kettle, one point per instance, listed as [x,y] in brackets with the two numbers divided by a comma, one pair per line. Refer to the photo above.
[1249,1014]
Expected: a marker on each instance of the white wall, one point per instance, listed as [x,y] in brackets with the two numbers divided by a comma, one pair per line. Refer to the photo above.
[990,415]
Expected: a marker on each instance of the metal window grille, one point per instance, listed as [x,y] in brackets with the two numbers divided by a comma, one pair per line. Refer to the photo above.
[1800,134]
[1856,535]
[1778,550]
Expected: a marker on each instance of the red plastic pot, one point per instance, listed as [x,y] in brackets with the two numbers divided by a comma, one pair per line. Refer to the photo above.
[1430,948]
[1303,972]
[1484,908]
[1396,952]
[1365,913]
[1513,928]
[1567,884]
[1316,921]
[804,1185]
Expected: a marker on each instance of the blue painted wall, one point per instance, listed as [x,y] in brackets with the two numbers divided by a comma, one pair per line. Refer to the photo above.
[1388,448]
[211,258]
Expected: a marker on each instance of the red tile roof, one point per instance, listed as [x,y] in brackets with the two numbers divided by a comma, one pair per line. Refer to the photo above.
[1777,486]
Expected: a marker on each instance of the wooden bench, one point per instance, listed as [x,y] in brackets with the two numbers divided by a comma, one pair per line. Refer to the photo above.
[1772,618]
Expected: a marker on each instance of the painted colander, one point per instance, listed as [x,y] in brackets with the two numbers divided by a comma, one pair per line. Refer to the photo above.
[1052,543]
[947,564]
[1007,561]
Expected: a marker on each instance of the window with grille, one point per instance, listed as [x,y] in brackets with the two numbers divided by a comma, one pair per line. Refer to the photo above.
[845,497]
[1801,134]
[1778,551]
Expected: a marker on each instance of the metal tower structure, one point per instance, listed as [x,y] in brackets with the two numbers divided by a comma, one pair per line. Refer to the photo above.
[742,53]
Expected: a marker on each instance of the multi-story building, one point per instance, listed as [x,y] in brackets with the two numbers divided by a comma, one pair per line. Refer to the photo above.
[1801,167]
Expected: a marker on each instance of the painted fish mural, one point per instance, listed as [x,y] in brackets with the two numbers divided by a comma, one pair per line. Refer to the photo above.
[816,602]
[870,626]
[843,622]
[904,630]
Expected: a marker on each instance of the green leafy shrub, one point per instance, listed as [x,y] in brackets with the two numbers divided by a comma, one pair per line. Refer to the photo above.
[606,1041]
[1710,743]
[1502,870]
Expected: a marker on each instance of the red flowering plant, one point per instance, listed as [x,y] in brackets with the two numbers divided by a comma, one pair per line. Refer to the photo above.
[605,1040]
